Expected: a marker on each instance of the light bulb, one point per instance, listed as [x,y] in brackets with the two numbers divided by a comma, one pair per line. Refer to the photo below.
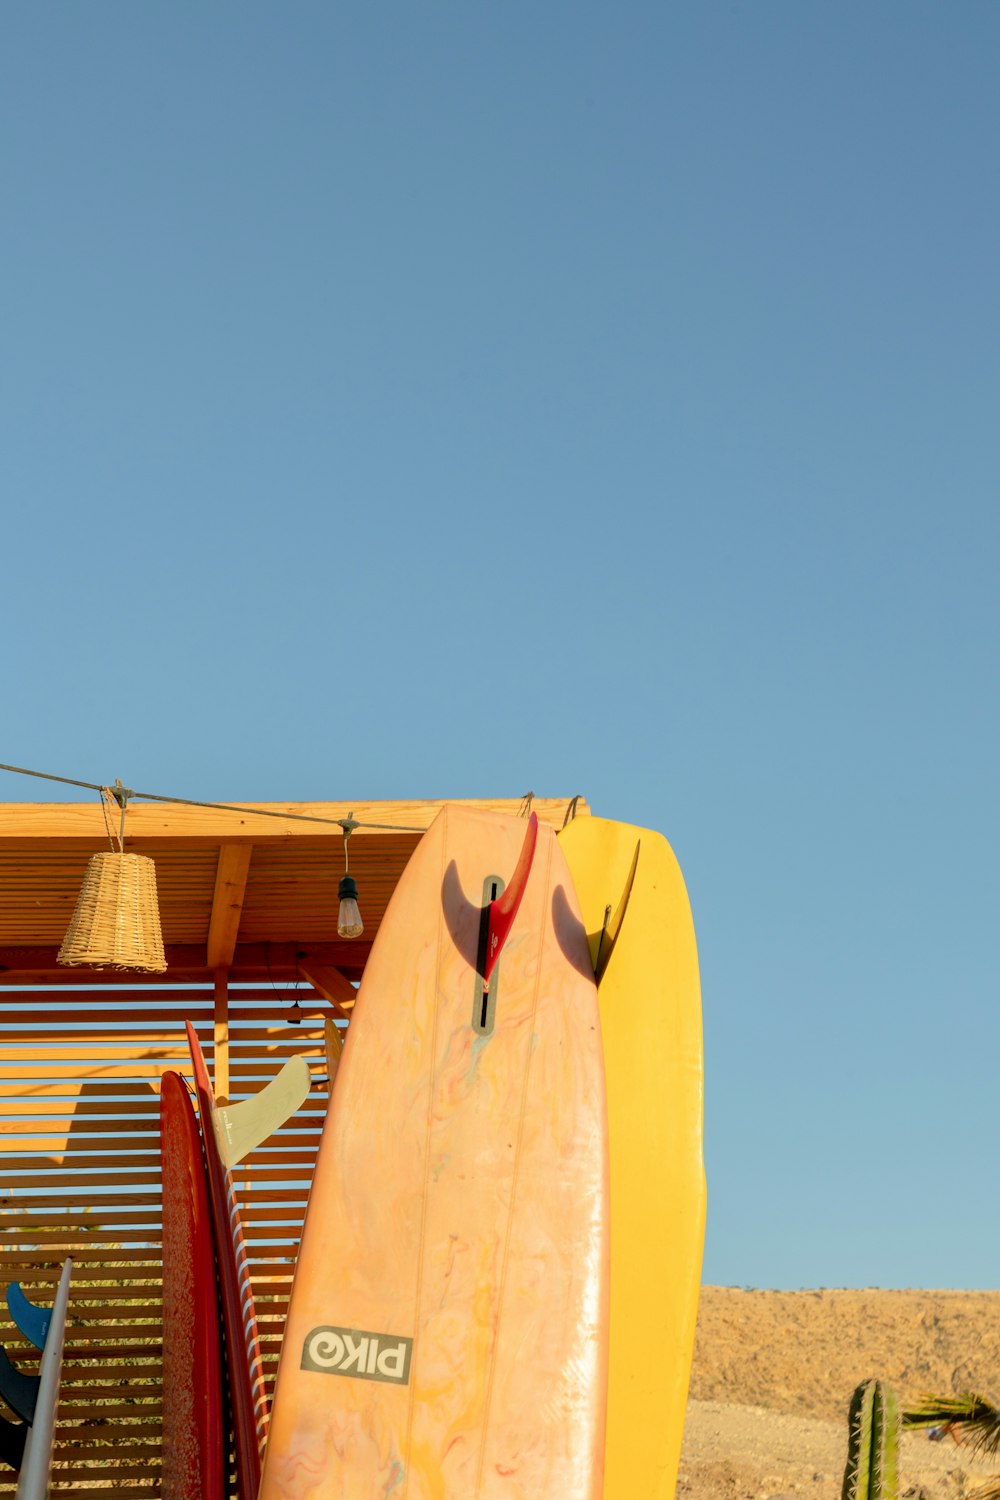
[349,924]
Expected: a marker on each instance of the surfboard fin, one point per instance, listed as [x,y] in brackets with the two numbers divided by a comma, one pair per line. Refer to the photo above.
[12,1440]
[602,944]
[20,1391]
[334,1045]
[30,1319]
[500,913]
[244,1125]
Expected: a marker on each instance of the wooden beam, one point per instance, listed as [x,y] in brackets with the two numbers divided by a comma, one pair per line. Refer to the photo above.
[332,985]
[227,903]
[148,823]
[203,856]
[252,962]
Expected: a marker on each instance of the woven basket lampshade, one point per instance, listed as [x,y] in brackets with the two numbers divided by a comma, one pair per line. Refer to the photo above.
[116,924]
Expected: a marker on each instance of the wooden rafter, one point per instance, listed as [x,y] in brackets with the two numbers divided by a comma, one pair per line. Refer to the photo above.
[227,903]
[333,985]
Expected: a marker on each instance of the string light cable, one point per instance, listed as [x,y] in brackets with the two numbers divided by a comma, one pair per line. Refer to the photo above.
[123,794]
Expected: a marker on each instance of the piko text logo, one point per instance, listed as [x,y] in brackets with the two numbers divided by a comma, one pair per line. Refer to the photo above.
[364,1356]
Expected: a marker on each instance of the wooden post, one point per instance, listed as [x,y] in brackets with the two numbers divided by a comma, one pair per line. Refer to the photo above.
[220,1081]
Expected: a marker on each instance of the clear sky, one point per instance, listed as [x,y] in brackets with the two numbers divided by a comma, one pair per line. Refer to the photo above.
[462,399]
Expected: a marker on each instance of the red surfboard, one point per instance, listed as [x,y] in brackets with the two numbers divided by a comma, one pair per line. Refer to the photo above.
[193,1448]
[248,1397]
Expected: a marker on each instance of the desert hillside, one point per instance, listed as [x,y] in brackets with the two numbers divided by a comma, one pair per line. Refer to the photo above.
[774,1371]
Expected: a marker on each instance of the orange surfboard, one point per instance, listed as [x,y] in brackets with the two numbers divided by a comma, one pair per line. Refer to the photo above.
[447,1331]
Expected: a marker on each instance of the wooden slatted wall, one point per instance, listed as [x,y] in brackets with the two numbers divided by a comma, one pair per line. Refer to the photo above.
[80,1174]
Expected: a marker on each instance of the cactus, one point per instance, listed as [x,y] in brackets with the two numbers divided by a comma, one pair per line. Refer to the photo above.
[872,1471]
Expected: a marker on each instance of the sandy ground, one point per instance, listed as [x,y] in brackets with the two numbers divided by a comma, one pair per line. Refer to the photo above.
[773,1375]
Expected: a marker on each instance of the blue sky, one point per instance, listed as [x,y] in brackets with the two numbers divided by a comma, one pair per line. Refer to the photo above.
[465,399]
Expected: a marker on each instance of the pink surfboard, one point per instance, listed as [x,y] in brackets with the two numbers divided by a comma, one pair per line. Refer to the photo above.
[447,1331]
[193,1449]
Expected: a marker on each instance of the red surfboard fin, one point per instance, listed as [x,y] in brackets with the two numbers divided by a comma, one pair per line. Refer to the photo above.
[500,913]
[602,944]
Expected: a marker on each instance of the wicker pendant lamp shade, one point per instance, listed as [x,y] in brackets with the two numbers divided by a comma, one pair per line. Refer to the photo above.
[116,924]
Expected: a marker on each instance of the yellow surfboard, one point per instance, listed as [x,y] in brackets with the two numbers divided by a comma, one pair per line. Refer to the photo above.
[446,1335]
[650,1004]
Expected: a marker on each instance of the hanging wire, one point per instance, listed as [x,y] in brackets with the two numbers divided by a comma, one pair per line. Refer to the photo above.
[91,786]
[290,989]
[121,794]
[263,812]
[108,800]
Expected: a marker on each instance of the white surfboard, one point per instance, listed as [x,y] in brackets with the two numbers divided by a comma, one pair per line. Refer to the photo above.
[34,1481]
